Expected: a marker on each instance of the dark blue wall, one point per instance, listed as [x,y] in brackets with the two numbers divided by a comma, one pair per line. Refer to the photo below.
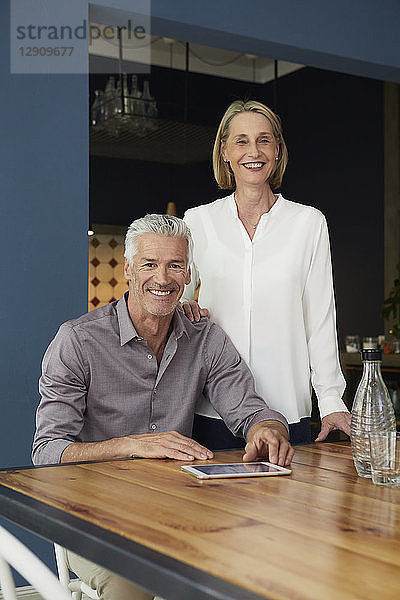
[44,214]
[44,165]
[352,36]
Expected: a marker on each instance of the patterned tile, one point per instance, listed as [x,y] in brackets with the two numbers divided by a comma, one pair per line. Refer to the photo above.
[104,238]
[92,271]
[104,272]
[120,289]
[104,292]
[119,273]
[104,253]
[106,269]
[118,252]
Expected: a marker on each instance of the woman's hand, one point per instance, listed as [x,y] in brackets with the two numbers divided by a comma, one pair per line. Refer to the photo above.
[336,420]
[193,311]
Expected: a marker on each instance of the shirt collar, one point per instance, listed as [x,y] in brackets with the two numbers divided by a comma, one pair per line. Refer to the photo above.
[127,331]
[179,324]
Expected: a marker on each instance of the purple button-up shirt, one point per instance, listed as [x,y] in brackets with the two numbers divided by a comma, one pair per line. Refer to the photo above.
[100,380]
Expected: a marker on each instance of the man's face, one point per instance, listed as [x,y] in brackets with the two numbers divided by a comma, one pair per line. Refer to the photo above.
[159,273]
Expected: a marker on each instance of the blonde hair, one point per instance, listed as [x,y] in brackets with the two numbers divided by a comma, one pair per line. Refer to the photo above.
[222,171]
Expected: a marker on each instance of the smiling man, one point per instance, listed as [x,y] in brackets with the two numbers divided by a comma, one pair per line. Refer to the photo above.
[123,380]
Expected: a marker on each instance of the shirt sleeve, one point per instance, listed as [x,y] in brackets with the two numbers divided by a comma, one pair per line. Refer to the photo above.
[320,323]
[63,388]
[190,289]
[230,386]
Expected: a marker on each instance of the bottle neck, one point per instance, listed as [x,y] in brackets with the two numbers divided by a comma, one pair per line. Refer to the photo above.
[372,368]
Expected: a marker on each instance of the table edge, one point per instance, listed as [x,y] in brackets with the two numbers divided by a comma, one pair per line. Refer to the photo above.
[153,570]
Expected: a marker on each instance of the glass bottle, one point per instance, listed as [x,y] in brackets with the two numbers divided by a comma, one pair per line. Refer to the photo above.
[372,410]
[97,107]
[109,96]
[125,94]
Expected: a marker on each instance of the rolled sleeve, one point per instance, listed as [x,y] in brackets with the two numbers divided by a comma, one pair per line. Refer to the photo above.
[63,390]
[190,289]
[230,386]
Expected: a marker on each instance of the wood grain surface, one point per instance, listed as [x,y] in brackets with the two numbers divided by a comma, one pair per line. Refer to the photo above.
[321,532]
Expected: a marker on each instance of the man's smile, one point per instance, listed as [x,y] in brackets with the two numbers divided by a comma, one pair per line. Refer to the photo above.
[161,293]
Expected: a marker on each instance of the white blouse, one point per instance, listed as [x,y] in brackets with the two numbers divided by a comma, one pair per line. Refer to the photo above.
[274,297]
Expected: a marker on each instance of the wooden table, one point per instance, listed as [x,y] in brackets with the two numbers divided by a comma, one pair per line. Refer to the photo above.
[319,533]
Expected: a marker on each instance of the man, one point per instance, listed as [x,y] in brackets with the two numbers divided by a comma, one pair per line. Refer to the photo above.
[122,381]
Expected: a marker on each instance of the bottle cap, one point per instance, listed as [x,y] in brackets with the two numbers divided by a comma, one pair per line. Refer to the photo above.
[371,353]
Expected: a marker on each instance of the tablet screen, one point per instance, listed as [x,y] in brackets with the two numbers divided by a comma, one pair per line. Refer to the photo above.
[236,469]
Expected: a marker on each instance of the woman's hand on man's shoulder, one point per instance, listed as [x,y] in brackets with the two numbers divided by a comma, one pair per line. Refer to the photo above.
[193,311]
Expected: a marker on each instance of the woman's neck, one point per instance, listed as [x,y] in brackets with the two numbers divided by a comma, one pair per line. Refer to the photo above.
[251,204]
[254,200]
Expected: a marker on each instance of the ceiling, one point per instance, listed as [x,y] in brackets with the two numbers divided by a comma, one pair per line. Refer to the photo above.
[166,52]
[171,141]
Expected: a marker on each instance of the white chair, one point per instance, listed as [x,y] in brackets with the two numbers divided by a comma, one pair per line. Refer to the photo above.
[76,587]
[14,553]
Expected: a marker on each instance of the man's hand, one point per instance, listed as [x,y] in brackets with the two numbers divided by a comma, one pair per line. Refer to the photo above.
[336,420]
[168,444]
[269,439]
[193,311]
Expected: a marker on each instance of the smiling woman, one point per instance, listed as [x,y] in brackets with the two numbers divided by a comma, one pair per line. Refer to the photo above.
[251,152]
[265,271]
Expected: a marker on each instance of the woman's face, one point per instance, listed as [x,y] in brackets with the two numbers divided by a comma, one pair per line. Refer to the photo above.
[251,148]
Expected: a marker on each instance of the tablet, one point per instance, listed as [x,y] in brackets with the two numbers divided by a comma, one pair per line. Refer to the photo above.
[255,469]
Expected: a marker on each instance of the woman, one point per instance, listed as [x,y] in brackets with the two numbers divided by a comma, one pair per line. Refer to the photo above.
[265,275]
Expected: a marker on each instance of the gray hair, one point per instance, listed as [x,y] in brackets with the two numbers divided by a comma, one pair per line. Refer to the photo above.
[161,224]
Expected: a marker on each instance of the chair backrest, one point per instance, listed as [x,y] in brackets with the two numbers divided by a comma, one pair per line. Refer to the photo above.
[63,573]
[75,586]
[14,553]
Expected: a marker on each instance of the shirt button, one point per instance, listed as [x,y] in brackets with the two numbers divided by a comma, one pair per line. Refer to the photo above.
[155,390]
[153,426]
[149,356]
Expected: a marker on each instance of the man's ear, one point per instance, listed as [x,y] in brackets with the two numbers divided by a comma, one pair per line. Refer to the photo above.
[188,277]
[127,270]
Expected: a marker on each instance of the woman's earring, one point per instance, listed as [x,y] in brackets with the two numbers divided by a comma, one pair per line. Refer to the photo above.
[276,158]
